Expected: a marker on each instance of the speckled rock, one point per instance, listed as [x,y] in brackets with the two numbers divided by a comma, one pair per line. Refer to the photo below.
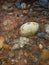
[29,28]
[20,42]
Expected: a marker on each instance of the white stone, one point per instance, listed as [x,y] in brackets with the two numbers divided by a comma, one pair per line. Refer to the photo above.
[40,46]
[47,28]
[23,5]
[29,28]
[20,42]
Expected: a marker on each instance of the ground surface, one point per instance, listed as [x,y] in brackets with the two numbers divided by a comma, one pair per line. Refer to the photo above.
[30,54]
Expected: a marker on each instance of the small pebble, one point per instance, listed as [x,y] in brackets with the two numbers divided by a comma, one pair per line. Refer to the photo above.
[12,61]
[15,46]
[10,9]
[25,11]
[8,4]
[41,34]
[47,28]
[17,4]
[40,46]
[23,5]
[31,9]
[4,7]
[8,41]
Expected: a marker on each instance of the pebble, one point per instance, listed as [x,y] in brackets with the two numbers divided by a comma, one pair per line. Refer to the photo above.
[23,5]
[41,34]
[17,4]
[10,9]
[31,9]
[1,41]
[20,42]
[8,4]
[40,46]
[13,62]
[5,7]
[47,28]
[45,54]
[29,28]
[8,41]
[25,11]
[10,13]
[15,46]
[43,3]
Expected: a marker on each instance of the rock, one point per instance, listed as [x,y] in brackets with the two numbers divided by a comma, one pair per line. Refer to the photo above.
[29,28]
[1,42]
[10,9]
[23,5]
[8,41]
[8,4]
[10,13]
[25,11]
[13,61]
[45,54]
[41,34]
[40,46]
[31,9]
[15,46]
[4,7]
[23,41]
[20,42]
[44,3]
[17,4]
[47,28]
[7,8]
